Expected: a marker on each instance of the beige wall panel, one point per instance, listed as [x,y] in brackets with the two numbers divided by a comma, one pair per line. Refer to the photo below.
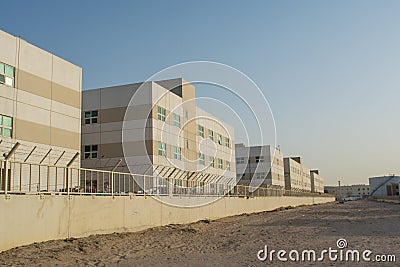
[66,95]
[112,115]
[90,100]
[90,128]
[34,84]
[188,91]
[141,92]
[66,110]
[64,122]
[134,135]
[160,96]
[6,107]
[140,112]
[66,74]
[7,92]
[33,132]
[130,148]
[34,100]
[154,113]
[111,150]
[117,96]
[90,138]
[64,138]
[139,148]
[90,163]
[8,49]
[111,137]
[138,124]
[33,114]
[112,126]
[35,61]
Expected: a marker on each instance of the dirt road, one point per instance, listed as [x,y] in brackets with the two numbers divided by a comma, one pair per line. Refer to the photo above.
[233,241]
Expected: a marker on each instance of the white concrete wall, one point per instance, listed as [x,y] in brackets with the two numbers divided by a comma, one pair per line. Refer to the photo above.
[378,185]
[30,218]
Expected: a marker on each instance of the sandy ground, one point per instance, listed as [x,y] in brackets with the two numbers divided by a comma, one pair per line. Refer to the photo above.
[232,241]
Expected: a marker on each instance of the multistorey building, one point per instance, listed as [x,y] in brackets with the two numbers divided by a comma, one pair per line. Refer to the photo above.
[40,108]
[384,186]
[155,128]
[259,163]
[343,191]
[297,176]
[317,182]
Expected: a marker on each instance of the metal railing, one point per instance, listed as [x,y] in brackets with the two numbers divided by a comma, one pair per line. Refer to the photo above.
[33,178]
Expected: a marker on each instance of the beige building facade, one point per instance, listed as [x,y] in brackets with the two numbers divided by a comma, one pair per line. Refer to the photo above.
[297,176]
[256,163]
[155,128]
[40,105]
[357,190]
[317,182]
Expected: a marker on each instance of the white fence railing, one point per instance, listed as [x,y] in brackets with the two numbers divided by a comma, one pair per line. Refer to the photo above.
[31,178]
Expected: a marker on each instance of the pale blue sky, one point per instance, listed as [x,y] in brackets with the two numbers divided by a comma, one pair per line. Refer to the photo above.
[330,69]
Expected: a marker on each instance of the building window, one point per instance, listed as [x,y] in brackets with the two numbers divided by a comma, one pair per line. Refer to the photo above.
[187,143]
[211,134]
[7,74]
[260,175]
[6,126]
[91,116]
[201,159]
[177,153]
[161,113]
[178,182]
[228,166]
[212,161]
[219,139]
[227,142]
[240,160]
[91,152]
[162,149]
[220,165]
[177,120]
[200,130]
[259,159]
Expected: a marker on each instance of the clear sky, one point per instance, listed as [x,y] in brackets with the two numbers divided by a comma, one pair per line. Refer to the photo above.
[329,69]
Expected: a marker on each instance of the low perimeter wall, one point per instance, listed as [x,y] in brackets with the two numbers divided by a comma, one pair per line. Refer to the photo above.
[26,219]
